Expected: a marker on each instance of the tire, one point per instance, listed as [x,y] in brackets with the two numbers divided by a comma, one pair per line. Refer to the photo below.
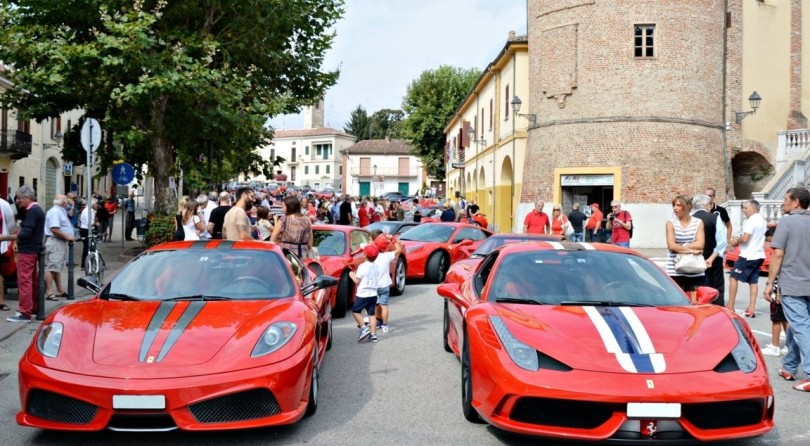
[436,267]
[312,404]
[400,274]
[342,299]
[446,329]
[466,384]
[91,267]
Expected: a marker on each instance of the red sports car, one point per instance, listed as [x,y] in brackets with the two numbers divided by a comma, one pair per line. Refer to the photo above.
[432,247]
[203,335]
[339,250]
[476,253]
[594,343]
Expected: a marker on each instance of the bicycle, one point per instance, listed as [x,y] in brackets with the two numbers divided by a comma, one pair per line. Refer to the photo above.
[95,264]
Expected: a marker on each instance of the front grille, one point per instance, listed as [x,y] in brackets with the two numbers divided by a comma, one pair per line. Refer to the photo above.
[561,413]
[248,405]
[59,408]
[724,414]
[133,421]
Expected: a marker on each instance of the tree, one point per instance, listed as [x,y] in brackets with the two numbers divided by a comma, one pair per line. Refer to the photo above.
[429,103]
[386,122]
[358,124]
[166,79]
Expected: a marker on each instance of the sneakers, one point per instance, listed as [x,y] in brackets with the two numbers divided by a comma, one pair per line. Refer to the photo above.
[373,338]
[364,332]
[803,385]
[771,350]
[19,317]
[784,350]
[787,376]
[384,328]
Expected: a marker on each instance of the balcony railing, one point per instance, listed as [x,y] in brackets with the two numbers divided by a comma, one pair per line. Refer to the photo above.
[15,143]
[388,173]
[792,164]
[771,211]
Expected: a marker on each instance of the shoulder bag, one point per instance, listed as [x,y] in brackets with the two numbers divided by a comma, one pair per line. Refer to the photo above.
[690,264]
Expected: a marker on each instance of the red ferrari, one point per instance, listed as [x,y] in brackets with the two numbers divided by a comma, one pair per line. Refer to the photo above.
[432,247]
[595,343]
[339,250]
[205,335]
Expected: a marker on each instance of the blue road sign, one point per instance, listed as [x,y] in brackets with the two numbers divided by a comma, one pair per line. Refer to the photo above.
[123,173]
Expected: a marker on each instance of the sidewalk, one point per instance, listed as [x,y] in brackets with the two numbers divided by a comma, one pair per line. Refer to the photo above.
[115,254]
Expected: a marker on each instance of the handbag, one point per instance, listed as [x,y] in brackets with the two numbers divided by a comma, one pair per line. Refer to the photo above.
[690,264]
[568,229]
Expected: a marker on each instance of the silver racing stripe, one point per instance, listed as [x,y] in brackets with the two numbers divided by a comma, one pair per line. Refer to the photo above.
[158,319]
[153,329]
[188,315]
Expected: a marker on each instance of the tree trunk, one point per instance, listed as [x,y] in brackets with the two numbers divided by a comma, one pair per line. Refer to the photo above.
[162,159]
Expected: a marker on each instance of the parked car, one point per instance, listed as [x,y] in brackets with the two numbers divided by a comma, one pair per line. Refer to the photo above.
[599,344]
[199,335]
[733,255]
[392,227]
[432,247]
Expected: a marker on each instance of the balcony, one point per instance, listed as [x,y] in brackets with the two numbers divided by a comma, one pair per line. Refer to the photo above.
[15,144]
[388,173]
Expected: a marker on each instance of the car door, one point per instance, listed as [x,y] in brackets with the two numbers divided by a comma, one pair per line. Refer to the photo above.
[472,233]
[358,237]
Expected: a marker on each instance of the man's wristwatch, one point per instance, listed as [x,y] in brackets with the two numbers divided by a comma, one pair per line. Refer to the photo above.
[768,283]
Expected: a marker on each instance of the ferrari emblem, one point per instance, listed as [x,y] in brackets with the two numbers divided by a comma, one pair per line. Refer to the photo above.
[650,384]
[151,359]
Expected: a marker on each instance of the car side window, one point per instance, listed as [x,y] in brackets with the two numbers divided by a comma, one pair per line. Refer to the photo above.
[298,268]
[358,237]
[482,276]
[470,234]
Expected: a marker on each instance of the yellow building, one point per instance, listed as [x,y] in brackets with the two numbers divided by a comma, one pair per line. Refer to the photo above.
[485,140]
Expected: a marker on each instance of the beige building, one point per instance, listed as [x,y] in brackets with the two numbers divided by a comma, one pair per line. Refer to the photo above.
[485,140]
[377,166]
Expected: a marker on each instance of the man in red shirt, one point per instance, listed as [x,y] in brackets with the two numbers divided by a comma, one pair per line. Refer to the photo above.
[594,224]
[362,215]
[619,222]
[536,221]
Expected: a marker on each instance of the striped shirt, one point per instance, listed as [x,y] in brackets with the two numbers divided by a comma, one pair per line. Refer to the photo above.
[682,235]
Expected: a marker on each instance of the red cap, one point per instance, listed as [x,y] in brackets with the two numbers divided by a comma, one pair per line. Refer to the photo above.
[596,205]
[382,242]
[371,251]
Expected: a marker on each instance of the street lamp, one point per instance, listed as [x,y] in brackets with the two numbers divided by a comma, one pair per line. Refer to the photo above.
[516,103]
[374,181]
[754,100]
[58,137]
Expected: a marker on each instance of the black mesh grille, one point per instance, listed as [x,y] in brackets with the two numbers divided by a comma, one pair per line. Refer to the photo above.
[724,414]
[59,408]
[133,421]
[249,405]
[562,413]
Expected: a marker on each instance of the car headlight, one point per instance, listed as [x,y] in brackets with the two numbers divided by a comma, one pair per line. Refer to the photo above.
[524,356]
[274,338]
[49,339]
[743,353]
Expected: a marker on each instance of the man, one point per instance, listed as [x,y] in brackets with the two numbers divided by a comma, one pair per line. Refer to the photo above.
[72,210]
[346,211]
[714,245]
[237,224]
[8,225]
[594,224]
[752,254]
[217,218]
[721,211]
[619,223]
[211,204]
[202,204]
[536,221]
[58,233]
[448,214]
[29,242]
[577,219]
[790,260]
[472,210]
[87,220]
[129,224]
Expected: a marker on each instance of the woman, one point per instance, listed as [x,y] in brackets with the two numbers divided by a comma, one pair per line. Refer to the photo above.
[112,207]
[322,214]
[684,236]
[558,220]
[179,234]
[400,211]
[293,230]
[392,211]
[263,223]
[192,221]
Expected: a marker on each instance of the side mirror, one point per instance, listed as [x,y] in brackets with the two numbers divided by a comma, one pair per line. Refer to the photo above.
[465,242]
[89,283]
[706,295]
[451,292]
[319,283]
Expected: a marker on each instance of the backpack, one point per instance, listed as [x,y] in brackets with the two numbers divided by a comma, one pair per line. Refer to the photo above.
[632,226]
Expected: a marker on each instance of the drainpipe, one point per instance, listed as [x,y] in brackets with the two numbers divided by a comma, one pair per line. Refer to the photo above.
[729,179]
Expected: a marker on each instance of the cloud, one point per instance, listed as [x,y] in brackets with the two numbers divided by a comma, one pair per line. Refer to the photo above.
[383,45]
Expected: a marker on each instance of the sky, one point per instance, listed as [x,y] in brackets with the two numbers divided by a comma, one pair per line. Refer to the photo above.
[383,45]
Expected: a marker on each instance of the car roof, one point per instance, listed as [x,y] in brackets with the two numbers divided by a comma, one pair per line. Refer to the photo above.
[217,244]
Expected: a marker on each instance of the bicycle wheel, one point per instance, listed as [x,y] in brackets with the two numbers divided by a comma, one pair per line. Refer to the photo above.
[91,268]
[102,267]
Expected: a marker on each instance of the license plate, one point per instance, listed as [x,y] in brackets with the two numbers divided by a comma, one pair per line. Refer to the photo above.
[654,410]
[139,402]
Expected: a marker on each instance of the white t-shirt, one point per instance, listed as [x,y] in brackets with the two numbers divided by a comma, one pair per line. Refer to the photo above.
[84,222]
[755,248]
[190,228]
[383,262]
[367,273]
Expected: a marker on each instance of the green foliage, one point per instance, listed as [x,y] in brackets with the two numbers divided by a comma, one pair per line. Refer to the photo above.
[429,103]
[161,229]
[166,78]
[386,122]
[358,124]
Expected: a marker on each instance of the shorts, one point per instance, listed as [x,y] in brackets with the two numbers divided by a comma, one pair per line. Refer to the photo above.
[383,294]
[55,254]
[746,270]
[689,283]
[367,303]
[777,315]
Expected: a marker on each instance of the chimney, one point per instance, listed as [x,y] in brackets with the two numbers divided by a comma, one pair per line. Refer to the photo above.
[388,138]
[511,36]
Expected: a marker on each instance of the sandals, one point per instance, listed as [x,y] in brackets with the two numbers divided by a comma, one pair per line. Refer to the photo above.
[803,386]
[4,307]
[52,297]
[750,314]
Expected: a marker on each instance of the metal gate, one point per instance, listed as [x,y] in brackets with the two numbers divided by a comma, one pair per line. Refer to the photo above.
[51,182]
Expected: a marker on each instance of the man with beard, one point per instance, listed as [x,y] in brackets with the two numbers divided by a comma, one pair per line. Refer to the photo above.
[237,224]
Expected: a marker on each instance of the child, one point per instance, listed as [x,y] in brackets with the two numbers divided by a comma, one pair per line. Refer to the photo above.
[366,297]
[778,323]
[383,262]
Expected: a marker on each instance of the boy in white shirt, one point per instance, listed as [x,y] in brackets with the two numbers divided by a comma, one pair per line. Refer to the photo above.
[366,294]
[384,242]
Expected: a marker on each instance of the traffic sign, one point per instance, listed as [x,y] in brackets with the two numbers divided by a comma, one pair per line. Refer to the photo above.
[91,135]
[123,173]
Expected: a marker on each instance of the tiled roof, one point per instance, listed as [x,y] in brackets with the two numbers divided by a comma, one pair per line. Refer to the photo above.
[379,147]
[303,133]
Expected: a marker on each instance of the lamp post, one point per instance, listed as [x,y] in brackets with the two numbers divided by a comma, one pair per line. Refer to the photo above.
[516,103]
[532,117]
[374,181]
[754,100]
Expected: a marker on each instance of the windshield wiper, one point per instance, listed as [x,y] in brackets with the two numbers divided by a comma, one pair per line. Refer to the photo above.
[518,300]
[118,296]
[603,303]
[198,297]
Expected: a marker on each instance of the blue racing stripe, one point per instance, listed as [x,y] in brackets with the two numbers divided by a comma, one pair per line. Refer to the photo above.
[626,338]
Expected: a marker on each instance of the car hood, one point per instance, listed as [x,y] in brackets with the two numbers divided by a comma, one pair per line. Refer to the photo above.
[626,339]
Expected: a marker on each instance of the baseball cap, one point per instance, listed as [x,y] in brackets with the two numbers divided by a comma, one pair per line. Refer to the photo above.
[382,242]
[371,251]
[596,205]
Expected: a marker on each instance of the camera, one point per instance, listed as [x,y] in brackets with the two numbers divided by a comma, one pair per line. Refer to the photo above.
[611,217]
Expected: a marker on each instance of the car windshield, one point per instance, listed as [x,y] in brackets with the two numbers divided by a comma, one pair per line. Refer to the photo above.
[203,274]
[329,243]
[557,277]
[495,242]
[386,227]
[429,233]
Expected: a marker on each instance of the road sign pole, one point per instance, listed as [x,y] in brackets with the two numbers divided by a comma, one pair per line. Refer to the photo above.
[89,183]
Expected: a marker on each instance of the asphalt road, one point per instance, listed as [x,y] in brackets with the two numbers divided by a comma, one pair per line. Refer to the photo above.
[404,390]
